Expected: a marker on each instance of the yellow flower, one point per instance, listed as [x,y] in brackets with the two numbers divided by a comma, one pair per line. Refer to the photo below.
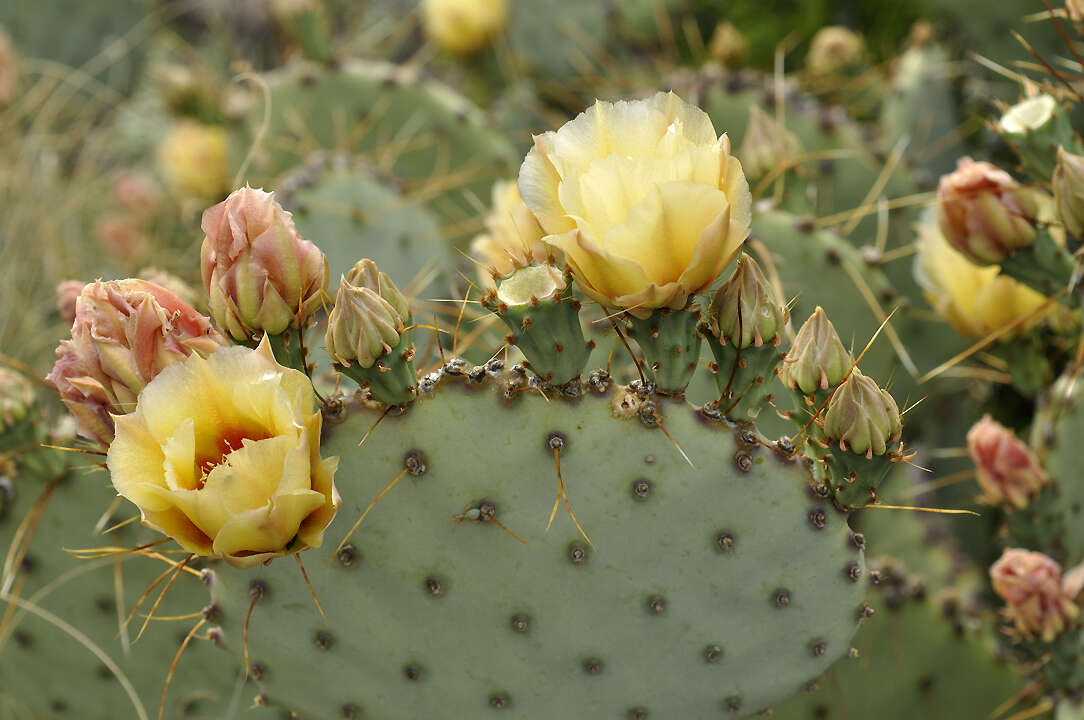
[513,237]
[223,455]
[463,27]
[973,299]
[645,201]
[194,159]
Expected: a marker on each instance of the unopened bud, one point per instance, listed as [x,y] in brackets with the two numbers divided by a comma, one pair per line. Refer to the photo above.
[67,292]
[174,284]
[728,46]
[834,50]
[193,158]
[1030,583]
[983,212]
[261,276]
[16,398]
[1008,472]
[862,417]
[767,144]
[136,194]
[745,310]
[366,274]
[1069,191]
[362,328]
[817,359]
[463,27]
[125,332]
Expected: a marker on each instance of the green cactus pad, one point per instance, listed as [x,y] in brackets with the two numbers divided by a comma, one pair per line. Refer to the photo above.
[709,588]
[50,671]
[434,141]
[351,214]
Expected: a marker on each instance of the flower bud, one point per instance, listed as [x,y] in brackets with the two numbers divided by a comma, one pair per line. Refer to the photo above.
[136,194]
[193,158]
[817,359]
[1031,585]
[975,300]
[745,310]
[122,238]
[8,69]
[513,238]
[244,482]
[1008,472]
[67,292]
[366,274]
[983,212]
[728,46]
[1069,191]
[862,417]
[125,332]
[363,327]
[767,144]
[463,27]
[261,276]
[834,50]
[16,398]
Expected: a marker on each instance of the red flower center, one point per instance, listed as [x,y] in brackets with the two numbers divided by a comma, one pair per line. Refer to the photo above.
[229,440]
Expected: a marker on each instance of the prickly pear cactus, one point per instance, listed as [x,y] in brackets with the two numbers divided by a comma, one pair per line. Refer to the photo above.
[453,597]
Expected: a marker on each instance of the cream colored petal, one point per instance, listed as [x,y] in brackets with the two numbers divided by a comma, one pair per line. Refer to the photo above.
[179,466]
[312,529]
[269,528]
[664,229]
[252,474]
[599,274]
[171,521]
[696,124]
[538,184]
[719,244]
[135,462]
[642,303]
[611,188]
[736,188]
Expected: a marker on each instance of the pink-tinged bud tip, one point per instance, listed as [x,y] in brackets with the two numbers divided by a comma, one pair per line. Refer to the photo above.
[260,274]
[1030,583]
[1008,472]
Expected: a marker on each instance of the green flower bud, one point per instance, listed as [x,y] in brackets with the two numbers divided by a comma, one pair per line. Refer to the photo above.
[728,46]
[363,327]
[817,359]
[745,310]
[862,417]
[16,398]
[366,274]
[834,50]
[766,145]
[1069,191]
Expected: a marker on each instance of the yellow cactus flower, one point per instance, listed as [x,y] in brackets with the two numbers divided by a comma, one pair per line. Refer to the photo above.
[223,455]
[194,159]
[973,299]
[463,27]
[512,239]
[643,198]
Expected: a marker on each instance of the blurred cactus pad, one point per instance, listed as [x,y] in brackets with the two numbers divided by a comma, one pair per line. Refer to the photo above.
[659,359]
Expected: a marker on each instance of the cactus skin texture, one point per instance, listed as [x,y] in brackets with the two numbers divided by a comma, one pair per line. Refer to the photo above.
[421,130]
[350,213]
[50,672]
[716,582]
[1056,434]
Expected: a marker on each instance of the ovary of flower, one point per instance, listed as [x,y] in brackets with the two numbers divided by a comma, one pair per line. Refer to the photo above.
[643,198]
[223,455]
[975,300]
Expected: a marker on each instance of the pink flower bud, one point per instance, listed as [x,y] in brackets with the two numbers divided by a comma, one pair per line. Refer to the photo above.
[260,274]
[1008,472]
[67,292]
[1031,585]
[122,238]
[983,212]
[125,332]
[135,193]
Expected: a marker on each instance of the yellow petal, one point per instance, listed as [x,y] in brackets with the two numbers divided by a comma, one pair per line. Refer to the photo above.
[538,184]
[601,275]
